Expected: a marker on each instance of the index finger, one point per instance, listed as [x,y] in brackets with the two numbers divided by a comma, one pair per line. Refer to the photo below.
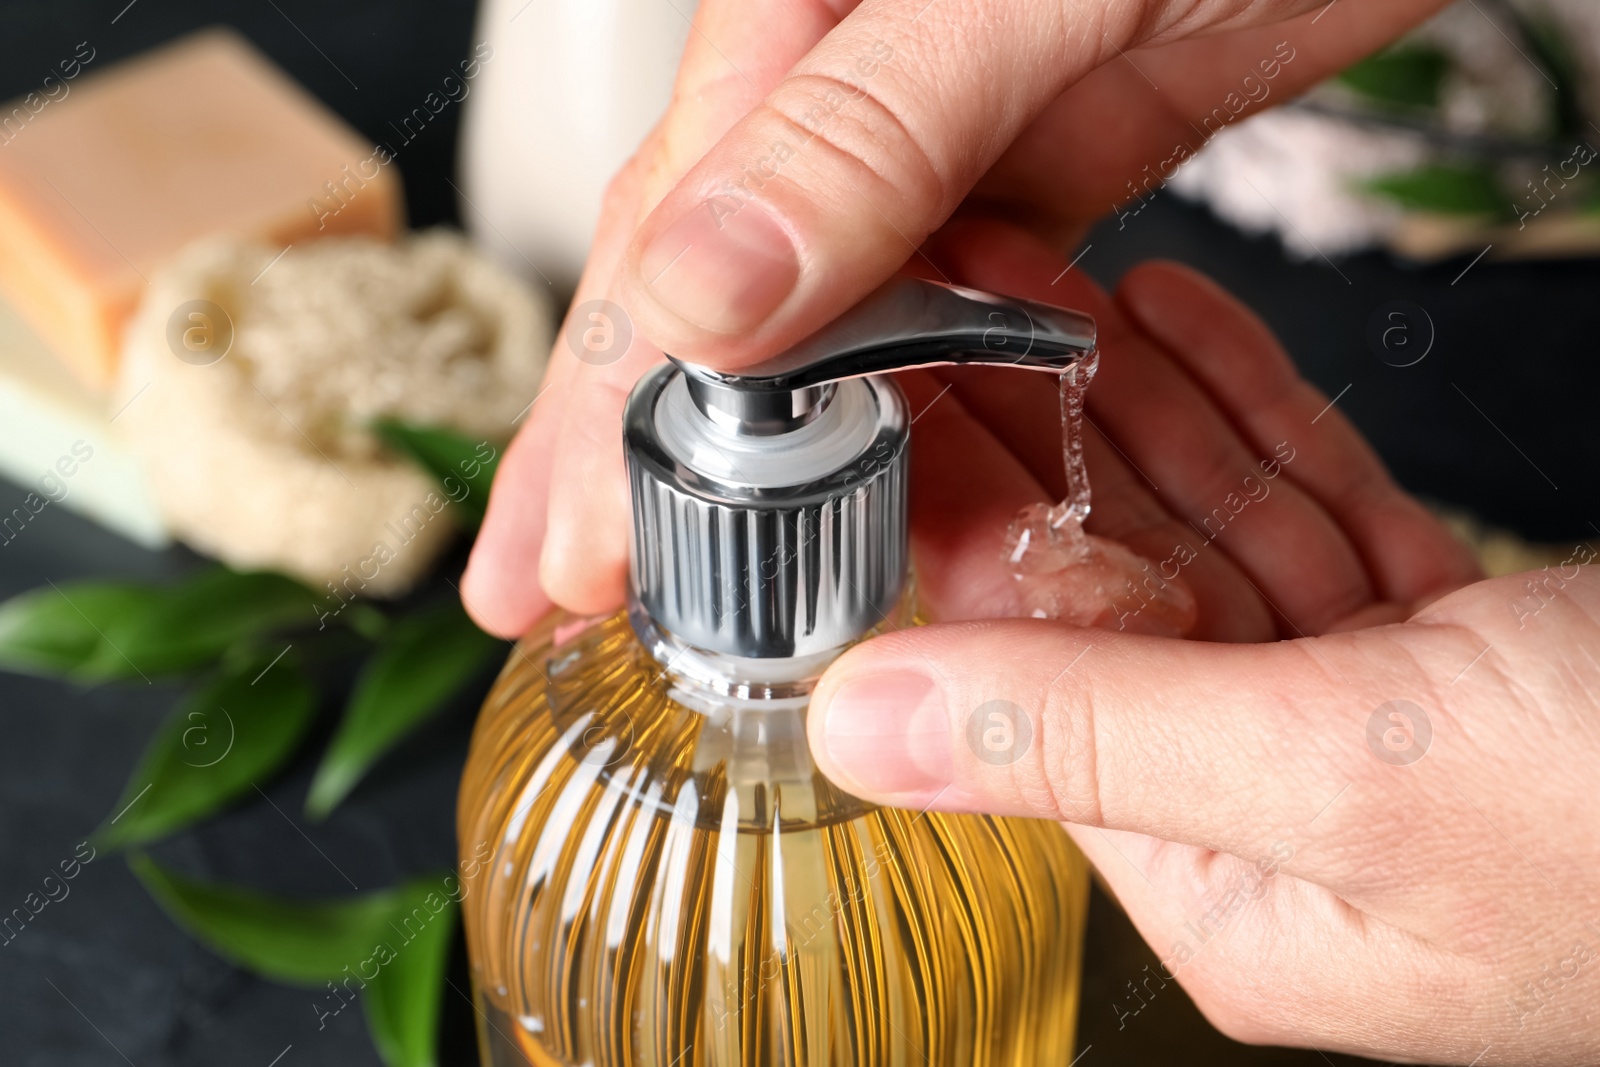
[556,526]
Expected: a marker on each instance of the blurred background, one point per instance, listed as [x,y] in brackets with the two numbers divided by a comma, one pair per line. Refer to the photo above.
[1419,232]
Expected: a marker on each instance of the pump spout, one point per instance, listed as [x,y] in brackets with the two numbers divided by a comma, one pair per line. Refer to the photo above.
[905,323]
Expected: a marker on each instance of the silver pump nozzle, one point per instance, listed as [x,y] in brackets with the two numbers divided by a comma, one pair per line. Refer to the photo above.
[905,323]
[770,504]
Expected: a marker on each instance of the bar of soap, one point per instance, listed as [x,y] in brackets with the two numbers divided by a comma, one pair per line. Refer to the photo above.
[108,180]
[58,444]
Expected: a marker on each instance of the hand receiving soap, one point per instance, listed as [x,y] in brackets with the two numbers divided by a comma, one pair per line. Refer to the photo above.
[202,137]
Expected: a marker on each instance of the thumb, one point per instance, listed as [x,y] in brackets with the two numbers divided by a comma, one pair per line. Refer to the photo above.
[875,136]
[827,186]
[1200,743]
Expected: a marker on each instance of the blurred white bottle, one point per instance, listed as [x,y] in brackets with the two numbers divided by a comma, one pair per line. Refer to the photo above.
[569,90]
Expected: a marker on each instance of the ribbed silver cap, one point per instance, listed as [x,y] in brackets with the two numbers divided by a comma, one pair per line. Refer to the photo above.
[773,546]
[769,503]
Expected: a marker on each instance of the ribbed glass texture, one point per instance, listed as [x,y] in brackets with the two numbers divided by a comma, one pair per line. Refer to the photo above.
[672,883]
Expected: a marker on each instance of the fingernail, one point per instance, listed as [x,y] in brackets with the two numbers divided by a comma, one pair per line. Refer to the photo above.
[725,266]
[889,734]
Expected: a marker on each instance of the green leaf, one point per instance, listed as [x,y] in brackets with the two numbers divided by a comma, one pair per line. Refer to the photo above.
[392,944]
[1552,52]
[216,745]
[1409,76]
[1446,189]
[402,1003]
[1590,202]
[420,664]
[192,624]
[58,630]
[292,941]
[366,620]
[103,631]
[464,468]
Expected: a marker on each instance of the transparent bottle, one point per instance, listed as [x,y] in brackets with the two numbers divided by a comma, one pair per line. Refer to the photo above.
[663,876]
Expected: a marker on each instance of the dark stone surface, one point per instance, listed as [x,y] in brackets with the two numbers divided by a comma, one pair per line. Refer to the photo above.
[103,977]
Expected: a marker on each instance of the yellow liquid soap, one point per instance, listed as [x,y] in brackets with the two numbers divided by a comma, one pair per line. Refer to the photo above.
[671,882]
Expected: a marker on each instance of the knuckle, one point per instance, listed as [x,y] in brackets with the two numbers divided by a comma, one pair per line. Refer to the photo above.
[618,192]
[852,127]
[1068,762]
[1028,747]
[622,189]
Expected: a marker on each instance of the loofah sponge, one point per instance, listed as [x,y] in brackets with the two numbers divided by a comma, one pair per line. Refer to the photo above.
[250,382]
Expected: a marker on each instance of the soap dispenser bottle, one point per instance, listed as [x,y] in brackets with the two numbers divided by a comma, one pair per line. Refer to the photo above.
[660,875]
